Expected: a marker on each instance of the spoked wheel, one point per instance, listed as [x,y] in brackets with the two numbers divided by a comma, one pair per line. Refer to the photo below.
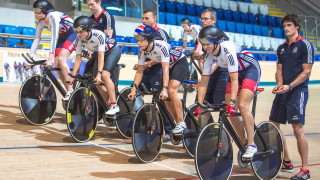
[82,114]
[125,119]
[208,164]
[146,145]
[190,135]
[37,100]
[266,165]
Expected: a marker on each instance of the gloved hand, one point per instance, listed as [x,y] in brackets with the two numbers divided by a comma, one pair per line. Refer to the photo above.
[197,112]
[231,109]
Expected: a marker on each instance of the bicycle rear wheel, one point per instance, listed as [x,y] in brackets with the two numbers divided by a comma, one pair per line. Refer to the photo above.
[146,145]
[124,122]
[207,162]
[37,100]
[266,165]
[82,114]
[190,135]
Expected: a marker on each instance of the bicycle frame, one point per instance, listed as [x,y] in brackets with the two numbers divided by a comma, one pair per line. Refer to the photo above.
[224,121]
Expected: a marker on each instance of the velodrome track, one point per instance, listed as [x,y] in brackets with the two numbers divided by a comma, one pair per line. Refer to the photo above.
[48,152]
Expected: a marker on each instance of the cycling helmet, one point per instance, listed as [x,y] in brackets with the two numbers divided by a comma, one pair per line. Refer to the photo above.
[43,6]
[83,23]
[186,21]
[143,32]
[212,34]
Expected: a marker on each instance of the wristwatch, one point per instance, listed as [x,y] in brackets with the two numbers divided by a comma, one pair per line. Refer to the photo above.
[165,87]
[149,64]
[100,72]
[290,87]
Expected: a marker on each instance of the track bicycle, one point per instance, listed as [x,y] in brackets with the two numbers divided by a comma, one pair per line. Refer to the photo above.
[193,70]
[148,129]
[214,154]
[37,96]
[83,109]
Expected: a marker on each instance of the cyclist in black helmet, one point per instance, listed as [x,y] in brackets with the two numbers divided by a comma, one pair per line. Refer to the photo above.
[62,38]
[244,71]
[174,65]
[192,30]
[108,56]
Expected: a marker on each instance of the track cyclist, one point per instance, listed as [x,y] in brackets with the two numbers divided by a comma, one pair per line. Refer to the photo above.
[108,55]
[62,39]
[244,72]
[174,66]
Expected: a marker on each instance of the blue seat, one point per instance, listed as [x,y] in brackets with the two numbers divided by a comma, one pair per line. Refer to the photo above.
[199,21]
[272,21]
[252,18]
[180,17]
[191,44]
[222,25]
[227,15]
[265,31]
[219,13]
[112,9]
[248,29]
[171,18]
[131,40]
[191,10]
[121,39]
[271,57]
[278,21]
[248,1]
[171,6]
[276,32]
[199,9]
[194,19]
[301,33]
[162,5]
[162,18]
[180,43]
[284,34]
[124,49]
[257,30]
[236,16]
[181,8]
[135,50]
[11,30]
[27,31]
[174,43]
[240,28]
[231,26]
[263,20]
[244,17]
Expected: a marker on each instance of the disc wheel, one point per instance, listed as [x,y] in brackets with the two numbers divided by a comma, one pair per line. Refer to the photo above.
[146,145]
[124,122]
[267,165]
[37,100]
[207,162]
[190,135]
[82,114]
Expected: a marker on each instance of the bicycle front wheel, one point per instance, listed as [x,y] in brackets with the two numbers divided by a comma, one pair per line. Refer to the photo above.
[37,100]
[190,135]
[266,163]
[82,114]
[209,163]
[125,119]
[147,145]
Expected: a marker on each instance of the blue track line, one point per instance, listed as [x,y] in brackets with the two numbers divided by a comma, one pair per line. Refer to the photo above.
[83,145]
[307,134]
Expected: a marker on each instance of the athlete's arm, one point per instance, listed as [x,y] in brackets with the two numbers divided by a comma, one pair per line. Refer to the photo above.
[165,80]
[36,40]
[109,32]
[279,79]
[100,66]
[202,88]
[234,85]
[184,46]
[137,81]
[76,68]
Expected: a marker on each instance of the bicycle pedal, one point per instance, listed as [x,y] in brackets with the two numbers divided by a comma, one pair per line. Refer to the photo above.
[246,159]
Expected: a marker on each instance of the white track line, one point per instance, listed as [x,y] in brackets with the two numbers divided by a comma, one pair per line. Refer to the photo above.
[167,167]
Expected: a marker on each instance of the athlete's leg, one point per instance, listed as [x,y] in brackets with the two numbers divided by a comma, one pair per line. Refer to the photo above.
[109,86]
[61,62]
[302,143]
[175,106]
[245,99]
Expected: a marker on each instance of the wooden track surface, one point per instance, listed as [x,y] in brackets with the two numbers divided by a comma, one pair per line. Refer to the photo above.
[48,152]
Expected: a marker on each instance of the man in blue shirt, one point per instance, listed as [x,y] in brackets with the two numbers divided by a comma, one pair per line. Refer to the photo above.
[294,64]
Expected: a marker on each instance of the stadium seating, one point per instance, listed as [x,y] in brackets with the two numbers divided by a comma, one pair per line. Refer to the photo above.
[233,6]
[252,18]
[236,16]
[257,30]
[248,41]
[162,18]
[191,10]
[222,25]
[199,2]
[231,26]
[225,5]
[272,21]
[227,15]
[190,1]
[263,20]
[207,3]
[265,31]
[266,43]
[274,44]
[253,8]
[216,4]
[27,43]
[171,19]
[162,5]
[230,35]
[11,42]
[240,28]
[181,8]
[243,7]
[238,38]
[263,9]
[244,17]
[199,10]
[171,6]
[248,29]
[257,42]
